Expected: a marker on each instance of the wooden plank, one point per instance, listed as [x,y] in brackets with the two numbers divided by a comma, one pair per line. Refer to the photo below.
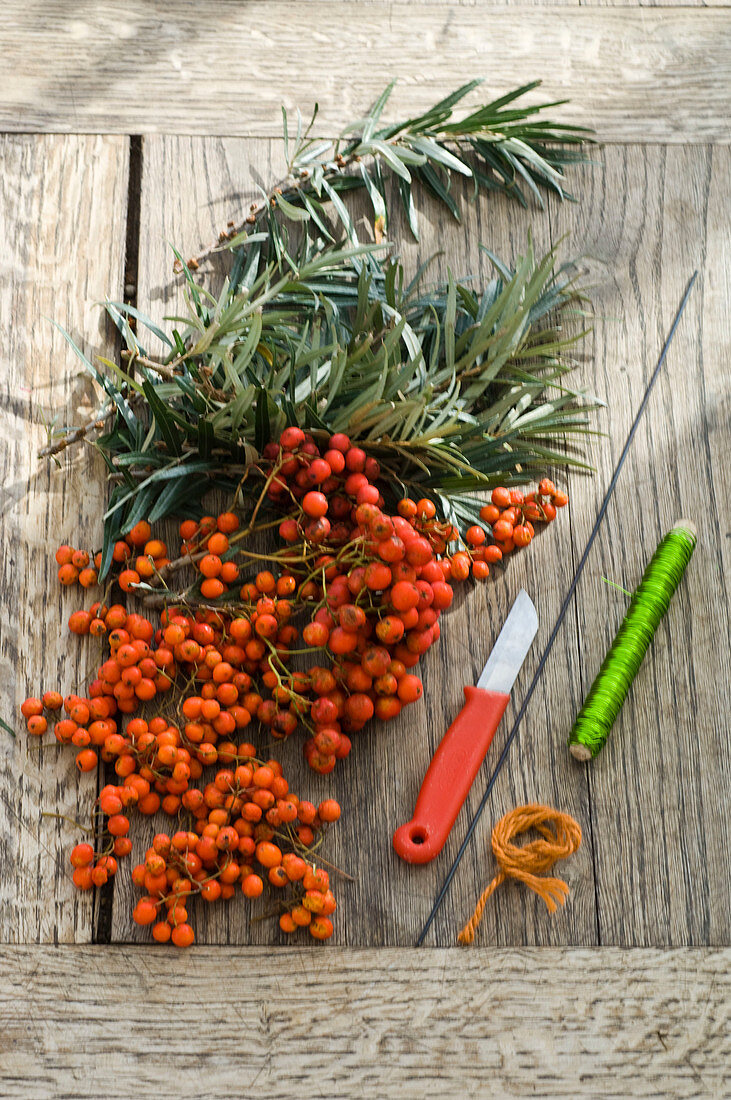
[510,1023]
[648,217]
[650,75]
[62,220]
[551,3]
[190,186]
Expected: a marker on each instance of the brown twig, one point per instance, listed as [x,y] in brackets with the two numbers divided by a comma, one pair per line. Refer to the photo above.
[287,188]
[159,368]
[77,434]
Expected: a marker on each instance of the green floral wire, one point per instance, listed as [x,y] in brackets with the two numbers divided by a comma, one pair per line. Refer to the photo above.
[649,603]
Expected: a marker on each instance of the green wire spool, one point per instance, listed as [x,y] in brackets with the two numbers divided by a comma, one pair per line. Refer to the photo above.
[647,607]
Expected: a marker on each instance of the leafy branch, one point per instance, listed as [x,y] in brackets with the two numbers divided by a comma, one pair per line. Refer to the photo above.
[454,389]
[498,146]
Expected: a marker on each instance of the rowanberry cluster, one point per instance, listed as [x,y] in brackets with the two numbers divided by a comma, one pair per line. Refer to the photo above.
[362,588]
[245,821]
[74,567]
[511,515]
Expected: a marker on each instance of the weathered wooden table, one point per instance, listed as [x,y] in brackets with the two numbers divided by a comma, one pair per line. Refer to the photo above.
[545,1006]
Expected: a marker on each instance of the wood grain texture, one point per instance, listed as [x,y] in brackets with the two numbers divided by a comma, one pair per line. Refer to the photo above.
[659,791]
[506,1024]
[62,218]
[189,188]
[211,67]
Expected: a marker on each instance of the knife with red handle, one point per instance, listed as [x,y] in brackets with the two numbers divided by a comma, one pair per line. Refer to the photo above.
[458,758]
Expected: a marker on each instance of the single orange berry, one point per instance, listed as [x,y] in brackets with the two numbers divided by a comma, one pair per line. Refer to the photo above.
[212,588]
[460,566]
[500,497]
[502,530]
[227,522]
[217,544]
[183,935]
[128,578]
[252,886]
[86,760]
[521,535]
[37,725]
[329,810]
[410,689]
[31,706]
[321,928]
[140,533]
[82,855]
[475,536]
[490,513]
[82,878]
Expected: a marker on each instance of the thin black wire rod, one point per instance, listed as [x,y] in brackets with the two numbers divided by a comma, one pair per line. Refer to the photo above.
[564,608]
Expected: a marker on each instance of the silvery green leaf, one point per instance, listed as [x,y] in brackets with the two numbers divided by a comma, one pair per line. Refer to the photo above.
[294,213]
[391,158]
[433,151]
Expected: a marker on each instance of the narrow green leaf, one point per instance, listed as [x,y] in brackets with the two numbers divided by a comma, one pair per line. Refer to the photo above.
[294,213]
[118,399]
[163,419]
[392,159]
[262,423]
[7,728]
[407,200]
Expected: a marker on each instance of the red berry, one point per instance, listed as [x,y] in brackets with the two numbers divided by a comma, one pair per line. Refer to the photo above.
[475,536]
[314,504]
[410,689]
[340,442]
[355,459]
[291,439]
[502,530]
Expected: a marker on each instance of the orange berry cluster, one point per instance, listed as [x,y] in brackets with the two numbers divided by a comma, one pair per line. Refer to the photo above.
[245,821]
[371,585]
[74,566]
[361,587]
[138,556]
[511,515]
[247,825]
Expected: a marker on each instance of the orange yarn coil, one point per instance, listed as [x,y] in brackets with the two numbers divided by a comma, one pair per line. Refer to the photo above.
[561,836]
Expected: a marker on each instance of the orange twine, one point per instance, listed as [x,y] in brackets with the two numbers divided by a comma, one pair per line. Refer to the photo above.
[561,838]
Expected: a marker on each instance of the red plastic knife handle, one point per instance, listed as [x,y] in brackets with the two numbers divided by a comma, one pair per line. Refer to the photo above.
[450,775]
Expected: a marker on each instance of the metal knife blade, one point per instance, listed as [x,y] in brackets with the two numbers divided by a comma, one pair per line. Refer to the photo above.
[511,647]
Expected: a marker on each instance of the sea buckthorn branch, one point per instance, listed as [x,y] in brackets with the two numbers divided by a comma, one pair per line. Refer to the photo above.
[497,146]
[456,390]
[75,435]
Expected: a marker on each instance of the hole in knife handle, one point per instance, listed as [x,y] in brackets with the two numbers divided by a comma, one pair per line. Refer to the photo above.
[417,835]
